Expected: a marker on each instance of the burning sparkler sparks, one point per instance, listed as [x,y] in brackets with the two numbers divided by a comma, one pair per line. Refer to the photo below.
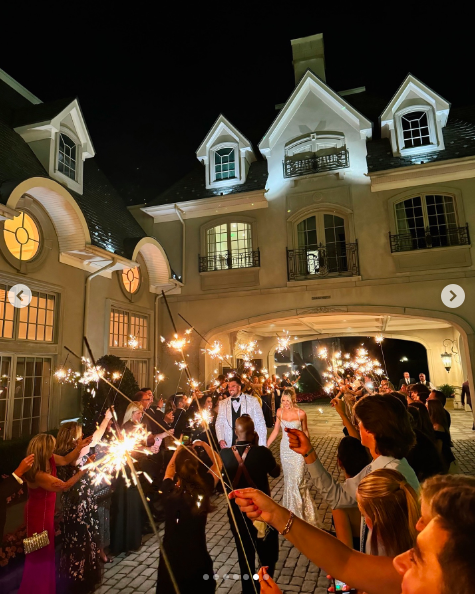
[379,339]
[119,455]
[133,342]
[179,343]
[283,342]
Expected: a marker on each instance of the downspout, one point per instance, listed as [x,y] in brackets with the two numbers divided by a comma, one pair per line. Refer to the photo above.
[179,213]
[155,334]
[87,297]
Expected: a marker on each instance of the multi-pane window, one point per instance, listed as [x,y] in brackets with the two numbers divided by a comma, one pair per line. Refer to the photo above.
[7,314]
[415,129]
[321,244]
[37,319]
[25,385]
[131,279]
[22,236]
[67,156]
[33,322]
[32,390]
[224,164]
[427,221]
[139,367]
[128,330]
[229,246]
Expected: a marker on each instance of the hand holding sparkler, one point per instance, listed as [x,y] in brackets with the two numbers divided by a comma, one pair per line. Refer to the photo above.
[300,444]
[338,405]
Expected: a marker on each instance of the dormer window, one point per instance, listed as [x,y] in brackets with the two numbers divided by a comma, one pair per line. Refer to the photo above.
[225,163]
[67,156]
[415,128]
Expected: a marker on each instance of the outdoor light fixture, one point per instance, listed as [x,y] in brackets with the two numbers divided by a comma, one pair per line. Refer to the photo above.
[447,357]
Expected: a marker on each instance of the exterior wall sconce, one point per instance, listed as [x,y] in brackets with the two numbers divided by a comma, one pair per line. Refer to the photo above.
[446,356]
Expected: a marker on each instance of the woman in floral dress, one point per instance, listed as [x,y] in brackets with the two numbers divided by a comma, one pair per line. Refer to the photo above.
[79,566]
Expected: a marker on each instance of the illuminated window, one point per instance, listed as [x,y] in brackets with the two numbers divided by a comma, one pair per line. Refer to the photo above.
[415,129]
[37,320]
[67,155]
[139,367]
[127,330]
[32,383]
[229,246]
[131,279]
[224,164]
[22,237]
[7,312]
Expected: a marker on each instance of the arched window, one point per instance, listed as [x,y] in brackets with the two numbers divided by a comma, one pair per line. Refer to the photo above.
[224,164]
[316,152]
[426,221]
[415,129]
[131,279]
[67,156]
[22,237]
[228,246]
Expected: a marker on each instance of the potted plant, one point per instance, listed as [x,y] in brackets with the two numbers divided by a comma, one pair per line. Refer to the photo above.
[447,390]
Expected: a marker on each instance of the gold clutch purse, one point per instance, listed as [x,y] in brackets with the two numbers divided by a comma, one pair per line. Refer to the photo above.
[35,542]
[38,540]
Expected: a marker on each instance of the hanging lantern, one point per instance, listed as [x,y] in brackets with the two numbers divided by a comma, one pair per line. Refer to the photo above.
[447,360]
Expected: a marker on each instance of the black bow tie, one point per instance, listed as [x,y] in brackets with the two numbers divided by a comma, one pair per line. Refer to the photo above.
[237,399]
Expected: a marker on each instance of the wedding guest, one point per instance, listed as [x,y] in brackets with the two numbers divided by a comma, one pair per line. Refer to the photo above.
[127,514]
[268,401]
[423,381]
[406,379]
[419,393]
[390,508]
[442,432]
[247,464]
[39,575]
[441,397]
[187,504]
[466,394]
[79,568]
[10,485]
[440,560]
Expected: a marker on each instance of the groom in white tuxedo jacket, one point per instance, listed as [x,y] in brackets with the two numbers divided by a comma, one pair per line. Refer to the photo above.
[232,408]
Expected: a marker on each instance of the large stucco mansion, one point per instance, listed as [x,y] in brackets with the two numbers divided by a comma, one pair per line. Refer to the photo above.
[349,217]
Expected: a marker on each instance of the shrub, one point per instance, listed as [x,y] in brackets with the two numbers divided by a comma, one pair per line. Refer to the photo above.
[447,390]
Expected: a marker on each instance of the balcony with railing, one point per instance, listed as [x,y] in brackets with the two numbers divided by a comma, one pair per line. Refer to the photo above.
[429,237]
[229,260]
[315,163]
[312,262]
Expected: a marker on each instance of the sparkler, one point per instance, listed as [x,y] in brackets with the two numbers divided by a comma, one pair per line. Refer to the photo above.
[133,342]
[118,452]
[283,342]
[178,343]
[379,339]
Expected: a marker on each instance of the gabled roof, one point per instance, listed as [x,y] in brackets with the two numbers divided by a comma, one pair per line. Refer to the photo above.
[222,124]
[312,83]
[193,186]
[412,83]
[51,114]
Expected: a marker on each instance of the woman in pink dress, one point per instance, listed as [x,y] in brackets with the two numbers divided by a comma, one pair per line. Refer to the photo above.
[39,571]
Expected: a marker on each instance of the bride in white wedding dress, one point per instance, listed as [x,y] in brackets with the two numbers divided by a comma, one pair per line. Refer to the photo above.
[297,497]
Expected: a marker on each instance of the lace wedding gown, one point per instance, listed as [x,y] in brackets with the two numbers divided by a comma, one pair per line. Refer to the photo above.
[297,497]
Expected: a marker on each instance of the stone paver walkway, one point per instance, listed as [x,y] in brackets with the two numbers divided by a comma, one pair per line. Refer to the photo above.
[137,572]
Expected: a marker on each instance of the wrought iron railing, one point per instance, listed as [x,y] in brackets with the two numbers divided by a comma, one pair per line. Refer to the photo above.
[294,167]
[336,259]
[430,237]
[229,260]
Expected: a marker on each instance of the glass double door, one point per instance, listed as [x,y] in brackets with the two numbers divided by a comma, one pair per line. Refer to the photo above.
[322,244]
[25,391]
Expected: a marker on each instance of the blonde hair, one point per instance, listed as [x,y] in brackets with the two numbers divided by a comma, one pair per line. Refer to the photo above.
[290,392]
[387,499]
[42,446]
[133,407]
[68,434]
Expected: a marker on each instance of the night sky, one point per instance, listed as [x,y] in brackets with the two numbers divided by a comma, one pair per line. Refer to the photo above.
[152,81]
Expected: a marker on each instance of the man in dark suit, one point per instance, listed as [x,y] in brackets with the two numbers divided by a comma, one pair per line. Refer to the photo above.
[407,379]
[11,485]
[425,382]
[247,464]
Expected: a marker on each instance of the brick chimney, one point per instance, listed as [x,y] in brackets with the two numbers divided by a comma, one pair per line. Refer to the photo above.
[308,54]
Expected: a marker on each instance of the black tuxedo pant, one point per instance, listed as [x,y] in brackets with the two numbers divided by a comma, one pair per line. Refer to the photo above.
[267,549]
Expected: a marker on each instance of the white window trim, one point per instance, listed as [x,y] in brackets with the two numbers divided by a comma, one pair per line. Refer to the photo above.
[212,182]
[433,132]
[127,352]
[324,208]
[73,184]
[227,221]
[319,215]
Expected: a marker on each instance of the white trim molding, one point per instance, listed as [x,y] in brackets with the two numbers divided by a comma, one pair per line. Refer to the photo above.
[221,205]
